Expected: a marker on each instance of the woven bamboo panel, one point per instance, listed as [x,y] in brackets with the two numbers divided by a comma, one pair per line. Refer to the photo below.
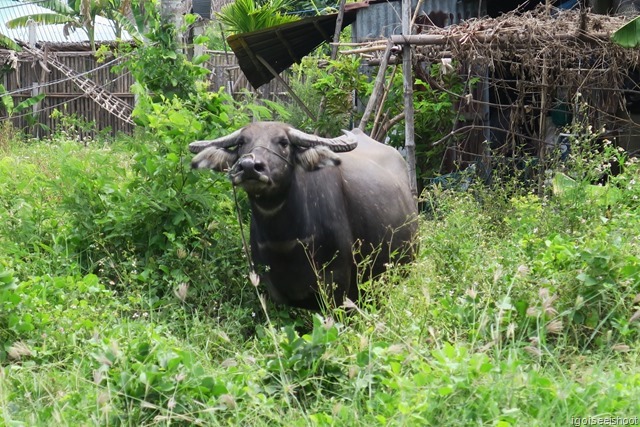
[23,76]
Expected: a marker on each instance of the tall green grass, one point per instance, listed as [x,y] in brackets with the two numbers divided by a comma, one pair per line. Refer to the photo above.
[124,301]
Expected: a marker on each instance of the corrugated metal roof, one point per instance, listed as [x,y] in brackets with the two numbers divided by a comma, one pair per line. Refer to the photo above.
[11,9]
[282,45]
[383,18]
[202,8]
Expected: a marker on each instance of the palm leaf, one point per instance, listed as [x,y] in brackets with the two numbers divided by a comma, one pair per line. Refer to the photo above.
[86,12]
[29,102]
[629,34]
[41,18]
[9,43]
[7,100]
[244,16]
[59,7]
[130,27]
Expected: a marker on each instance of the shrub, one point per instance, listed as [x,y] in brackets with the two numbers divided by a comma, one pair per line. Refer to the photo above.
[43,317]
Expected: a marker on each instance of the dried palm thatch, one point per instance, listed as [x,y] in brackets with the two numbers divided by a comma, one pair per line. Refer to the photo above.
[543,59]
[531,63]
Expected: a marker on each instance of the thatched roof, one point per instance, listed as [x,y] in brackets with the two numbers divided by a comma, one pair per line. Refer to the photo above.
[568,49]
[558,33]
[531,63]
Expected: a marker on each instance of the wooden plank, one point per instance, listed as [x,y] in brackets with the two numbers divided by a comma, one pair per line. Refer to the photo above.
[286,44]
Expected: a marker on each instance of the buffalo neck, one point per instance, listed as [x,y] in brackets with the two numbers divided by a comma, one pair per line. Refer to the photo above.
[311,201]
[267,207]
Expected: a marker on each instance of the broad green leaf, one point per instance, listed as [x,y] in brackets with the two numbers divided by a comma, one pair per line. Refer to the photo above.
[57,6]
[601,195]
[29,102]
[7,101]
[9,43]
[445,391]
[179,119]
[201,39]
[200,59]
[134,29]
[42,18]
[629,34]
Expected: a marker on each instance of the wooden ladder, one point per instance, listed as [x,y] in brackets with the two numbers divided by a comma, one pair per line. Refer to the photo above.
[102,97]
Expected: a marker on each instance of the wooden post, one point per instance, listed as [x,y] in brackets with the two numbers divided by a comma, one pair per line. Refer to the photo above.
[377,87]
[376,120]
[291,92]
[338,30]
[543,126]
[198,49]
[35,86]
[407,85]
[334,53]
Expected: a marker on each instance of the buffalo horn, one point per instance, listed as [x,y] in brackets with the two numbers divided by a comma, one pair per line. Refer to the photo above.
[339,144]
[222,142]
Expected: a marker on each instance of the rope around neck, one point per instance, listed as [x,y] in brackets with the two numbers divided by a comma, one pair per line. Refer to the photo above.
[245,246]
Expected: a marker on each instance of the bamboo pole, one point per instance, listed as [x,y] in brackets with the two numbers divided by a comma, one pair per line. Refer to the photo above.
[439,39]
[376,121]
[407,85]
[377,87]
[543,124]
[284,83]
[338,29]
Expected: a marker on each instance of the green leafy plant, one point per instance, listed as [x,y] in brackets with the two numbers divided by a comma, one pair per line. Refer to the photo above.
[151,378]
[243,16]
[628,34]
[11,108]
[160,68]
[133,16]
[32,313]
[312,7]
[72,126]
[340,83]
[332,84]
[9,43]
[435,95]
[304,360]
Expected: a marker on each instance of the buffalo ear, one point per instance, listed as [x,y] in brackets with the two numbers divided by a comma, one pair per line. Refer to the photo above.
[214,158]
[317,157]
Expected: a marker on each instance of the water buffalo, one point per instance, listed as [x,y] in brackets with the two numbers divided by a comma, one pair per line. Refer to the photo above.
[320,206]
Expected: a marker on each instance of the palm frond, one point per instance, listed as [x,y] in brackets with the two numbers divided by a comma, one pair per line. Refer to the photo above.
[244,16]
[131,27]
[41,18]
[9,43]
[58,6]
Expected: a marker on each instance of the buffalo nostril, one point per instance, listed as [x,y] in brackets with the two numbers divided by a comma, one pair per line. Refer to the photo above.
[246,164]
[259,167]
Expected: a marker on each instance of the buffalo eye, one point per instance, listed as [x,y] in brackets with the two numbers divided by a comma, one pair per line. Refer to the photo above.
[237,145]
[283,142]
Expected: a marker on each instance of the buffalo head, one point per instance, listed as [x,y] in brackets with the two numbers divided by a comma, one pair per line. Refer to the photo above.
[261,158]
